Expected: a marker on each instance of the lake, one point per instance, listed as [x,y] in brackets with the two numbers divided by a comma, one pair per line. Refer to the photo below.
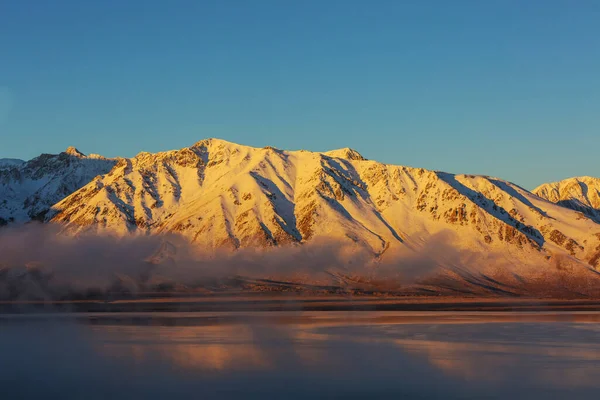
[297,355]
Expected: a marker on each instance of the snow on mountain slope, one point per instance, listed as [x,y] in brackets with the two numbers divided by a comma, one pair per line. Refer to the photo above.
[29,189]
[580,194]
[10,163]
[223,195]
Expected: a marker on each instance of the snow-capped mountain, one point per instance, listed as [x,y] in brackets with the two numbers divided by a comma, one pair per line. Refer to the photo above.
[219,194]
[29,189]
[477,232]
[580,194]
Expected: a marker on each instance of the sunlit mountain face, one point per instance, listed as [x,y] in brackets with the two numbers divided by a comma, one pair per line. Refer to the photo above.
[330,218]
[581,194]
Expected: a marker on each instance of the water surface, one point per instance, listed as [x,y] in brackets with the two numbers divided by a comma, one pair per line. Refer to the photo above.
[424,355]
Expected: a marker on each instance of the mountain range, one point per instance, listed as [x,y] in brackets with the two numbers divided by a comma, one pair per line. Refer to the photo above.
[220,195]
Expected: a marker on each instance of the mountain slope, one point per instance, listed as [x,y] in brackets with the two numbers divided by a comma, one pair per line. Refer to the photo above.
[223,195]
[29,189]
[580,194]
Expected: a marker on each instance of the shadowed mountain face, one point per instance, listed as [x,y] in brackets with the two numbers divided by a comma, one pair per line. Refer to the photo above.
[29,189]
[476,230]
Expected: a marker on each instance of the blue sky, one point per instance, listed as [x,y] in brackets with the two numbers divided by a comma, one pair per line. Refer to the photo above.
[499,87]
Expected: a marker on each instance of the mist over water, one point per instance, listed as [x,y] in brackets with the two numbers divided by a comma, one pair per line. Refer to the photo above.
[40,262]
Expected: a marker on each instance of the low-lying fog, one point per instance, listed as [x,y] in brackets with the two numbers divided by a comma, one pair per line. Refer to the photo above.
[37,262]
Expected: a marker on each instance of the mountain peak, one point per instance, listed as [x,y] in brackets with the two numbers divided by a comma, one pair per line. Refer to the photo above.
[214,142]
[580,193]
[565,183]
[585,179]
[347,153]
[72,151]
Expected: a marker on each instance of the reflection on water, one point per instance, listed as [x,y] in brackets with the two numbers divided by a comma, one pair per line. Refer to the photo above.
[542,366]
[219,347]
[302,355]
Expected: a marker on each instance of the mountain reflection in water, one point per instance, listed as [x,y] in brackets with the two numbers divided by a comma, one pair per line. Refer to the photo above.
[301,355]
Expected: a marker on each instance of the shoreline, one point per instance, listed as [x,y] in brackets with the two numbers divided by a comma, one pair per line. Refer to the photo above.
[278,303]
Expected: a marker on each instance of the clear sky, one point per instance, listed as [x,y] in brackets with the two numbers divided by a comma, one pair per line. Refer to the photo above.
[509,88]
